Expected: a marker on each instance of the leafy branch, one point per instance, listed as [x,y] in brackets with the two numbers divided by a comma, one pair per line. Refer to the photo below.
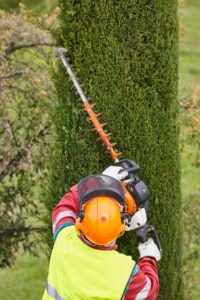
[12,231]
[22,152]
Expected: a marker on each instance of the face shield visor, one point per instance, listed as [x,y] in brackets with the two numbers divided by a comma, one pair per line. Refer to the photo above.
[100,185]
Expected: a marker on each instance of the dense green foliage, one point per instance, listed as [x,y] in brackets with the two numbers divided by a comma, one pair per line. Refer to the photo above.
[125,53]
[37,5]
[24,91]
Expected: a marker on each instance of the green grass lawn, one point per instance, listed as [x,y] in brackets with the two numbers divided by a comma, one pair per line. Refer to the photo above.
[25,281]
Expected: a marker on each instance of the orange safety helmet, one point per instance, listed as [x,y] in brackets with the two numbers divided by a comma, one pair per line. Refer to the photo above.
[102,209]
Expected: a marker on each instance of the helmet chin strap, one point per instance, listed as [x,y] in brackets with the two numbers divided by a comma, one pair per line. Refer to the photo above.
[92,244]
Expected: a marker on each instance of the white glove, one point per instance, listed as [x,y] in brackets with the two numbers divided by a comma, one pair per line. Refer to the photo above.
[139,219]
[149,249]
[113,171]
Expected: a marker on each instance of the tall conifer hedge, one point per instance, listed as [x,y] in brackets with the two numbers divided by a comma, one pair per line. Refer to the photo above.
[125,53]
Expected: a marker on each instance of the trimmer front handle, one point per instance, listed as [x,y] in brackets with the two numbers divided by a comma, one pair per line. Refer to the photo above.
[141,234]
[129,165]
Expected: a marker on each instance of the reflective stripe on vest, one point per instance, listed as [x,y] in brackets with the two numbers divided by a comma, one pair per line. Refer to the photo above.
[51,291]
[77,271]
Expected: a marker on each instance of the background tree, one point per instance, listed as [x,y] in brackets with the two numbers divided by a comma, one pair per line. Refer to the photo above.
[125,53]
[189,93]
[190,120]
[25,97]
[39,6]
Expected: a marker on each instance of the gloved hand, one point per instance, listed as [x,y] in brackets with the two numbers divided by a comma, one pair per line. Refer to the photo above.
[149,249]
[139,219]
[113,171]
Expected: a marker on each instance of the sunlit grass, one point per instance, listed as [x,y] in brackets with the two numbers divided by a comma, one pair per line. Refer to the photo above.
[26,280]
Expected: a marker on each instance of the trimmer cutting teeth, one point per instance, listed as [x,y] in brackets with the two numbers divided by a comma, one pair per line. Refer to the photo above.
[93,117]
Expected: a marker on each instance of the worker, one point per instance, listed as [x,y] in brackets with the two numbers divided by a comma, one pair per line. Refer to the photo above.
[85,263]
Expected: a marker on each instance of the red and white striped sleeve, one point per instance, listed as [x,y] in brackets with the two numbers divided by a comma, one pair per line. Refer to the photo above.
[65,212]
[144,282]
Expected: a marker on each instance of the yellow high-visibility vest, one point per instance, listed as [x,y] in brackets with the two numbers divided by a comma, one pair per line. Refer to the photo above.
[79,272]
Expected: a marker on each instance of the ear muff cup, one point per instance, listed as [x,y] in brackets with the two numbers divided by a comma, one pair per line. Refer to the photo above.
[122,229]
[78,224]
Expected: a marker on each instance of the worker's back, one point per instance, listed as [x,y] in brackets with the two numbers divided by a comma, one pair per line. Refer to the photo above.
[78,271]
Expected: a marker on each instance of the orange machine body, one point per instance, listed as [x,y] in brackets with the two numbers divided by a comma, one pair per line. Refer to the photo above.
[130,202]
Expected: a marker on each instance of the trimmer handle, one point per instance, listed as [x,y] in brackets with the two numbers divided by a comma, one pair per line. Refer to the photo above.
[142,232]
[129,165]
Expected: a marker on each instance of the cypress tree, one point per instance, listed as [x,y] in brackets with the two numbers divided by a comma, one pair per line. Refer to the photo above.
[125,53]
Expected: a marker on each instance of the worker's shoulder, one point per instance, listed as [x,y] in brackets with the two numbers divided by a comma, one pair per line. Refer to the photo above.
[119,261]
[74,188]
[67,232]
[122,256]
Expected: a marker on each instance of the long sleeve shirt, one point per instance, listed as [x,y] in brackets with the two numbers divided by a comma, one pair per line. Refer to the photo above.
[144,282]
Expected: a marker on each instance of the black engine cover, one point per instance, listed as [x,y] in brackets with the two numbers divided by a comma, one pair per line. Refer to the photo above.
[139,192]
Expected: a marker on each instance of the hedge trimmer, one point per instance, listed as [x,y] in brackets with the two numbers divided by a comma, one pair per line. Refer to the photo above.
[136,192]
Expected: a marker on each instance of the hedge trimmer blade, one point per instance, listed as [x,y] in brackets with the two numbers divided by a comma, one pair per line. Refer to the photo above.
[92,116]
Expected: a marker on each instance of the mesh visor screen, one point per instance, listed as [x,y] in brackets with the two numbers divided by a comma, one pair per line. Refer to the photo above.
[100,185]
